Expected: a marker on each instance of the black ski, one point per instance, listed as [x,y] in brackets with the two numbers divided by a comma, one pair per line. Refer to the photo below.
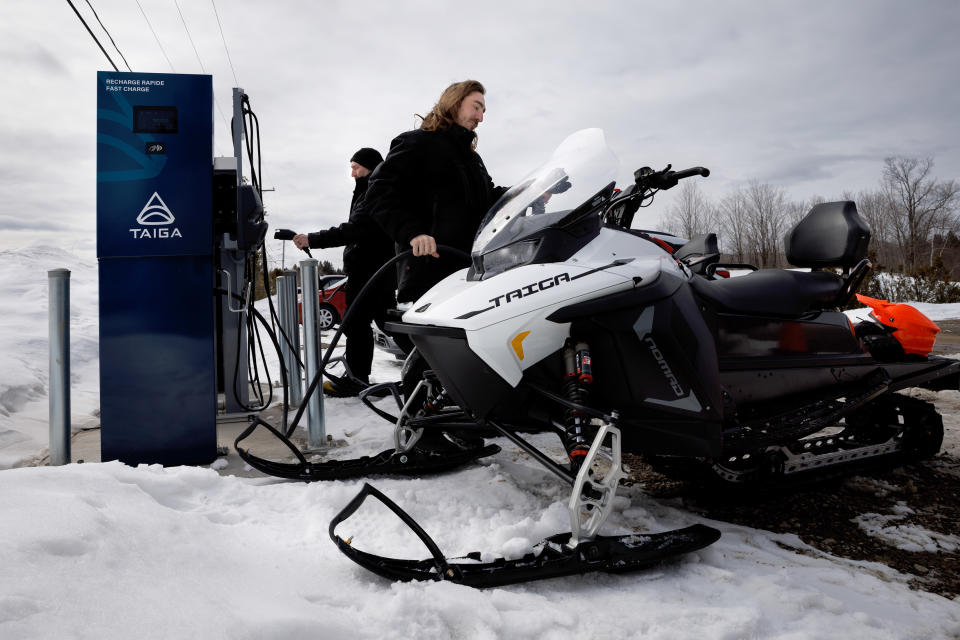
[552,559]
[390,462]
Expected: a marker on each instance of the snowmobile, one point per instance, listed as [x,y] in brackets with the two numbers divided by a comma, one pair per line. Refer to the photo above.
[569,321]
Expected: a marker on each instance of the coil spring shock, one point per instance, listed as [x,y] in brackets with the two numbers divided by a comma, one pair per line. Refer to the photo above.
[578,375]
[433,404]
[436,397]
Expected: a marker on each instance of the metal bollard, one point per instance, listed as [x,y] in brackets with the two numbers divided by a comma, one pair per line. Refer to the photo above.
[290,323]
[59,301]
[310,286]
[283,329]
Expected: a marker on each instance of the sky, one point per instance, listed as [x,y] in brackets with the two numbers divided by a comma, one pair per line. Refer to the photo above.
[109,551]
[807,97]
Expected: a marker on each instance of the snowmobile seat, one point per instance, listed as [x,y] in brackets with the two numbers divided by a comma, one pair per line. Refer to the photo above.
[773,292]
[831,235]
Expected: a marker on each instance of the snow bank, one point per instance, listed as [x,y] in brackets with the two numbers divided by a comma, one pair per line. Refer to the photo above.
[109,551]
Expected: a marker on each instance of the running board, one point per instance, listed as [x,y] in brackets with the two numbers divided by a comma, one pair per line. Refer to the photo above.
[945,374]
[805,420]
[552,558]
[911,430]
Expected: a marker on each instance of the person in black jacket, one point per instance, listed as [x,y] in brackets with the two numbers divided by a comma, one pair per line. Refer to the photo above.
[433,188]
[367,248]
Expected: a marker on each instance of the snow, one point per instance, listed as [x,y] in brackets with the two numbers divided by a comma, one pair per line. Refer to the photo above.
[905,536]
[24,356]
[110,551]
[933,311]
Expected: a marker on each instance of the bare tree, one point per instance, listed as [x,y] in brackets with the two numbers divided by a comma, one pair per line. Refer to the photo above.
[766,213]
[797,209]
[733,224]
[945,226]
[918,201]
[876,211]
[691,212]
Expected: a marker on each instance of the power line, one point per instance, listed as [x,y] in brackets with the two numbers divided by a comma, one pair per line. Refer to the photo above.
[156,37]
[202,68]
[92,35]
[189,37]
[222,37]
[108,35]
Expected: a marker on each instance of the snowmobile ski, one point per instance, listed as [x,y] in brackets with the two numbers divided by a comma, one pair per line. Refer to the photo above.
[415,461]
[552,558]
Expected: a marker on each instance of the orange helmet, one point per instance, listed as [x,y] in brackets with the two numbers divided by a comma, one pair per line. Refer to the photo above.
[915,332]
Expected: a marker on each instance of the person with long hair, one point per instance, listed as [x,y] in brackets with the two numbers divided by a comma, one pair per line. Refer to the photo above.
[433,188]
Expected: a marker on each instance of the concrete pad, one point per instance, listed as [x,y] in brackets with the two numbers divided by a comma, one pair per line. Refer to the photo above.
[85,445]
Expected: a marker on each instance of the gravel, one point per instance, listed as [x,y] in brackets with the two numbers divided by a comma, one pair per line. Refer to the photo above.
[907,518]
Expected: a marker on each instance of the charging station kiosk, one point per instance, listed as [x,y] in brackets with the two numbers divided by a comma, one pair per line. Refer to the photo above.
[175,229]
[156,268]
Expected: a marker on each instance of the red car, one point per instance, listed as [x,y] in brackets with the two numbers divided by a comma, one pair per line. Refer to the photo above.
[333,301]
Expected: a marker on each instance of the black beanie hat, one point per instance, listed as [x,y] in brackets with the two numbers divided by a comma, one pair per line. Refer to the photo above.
[367,157]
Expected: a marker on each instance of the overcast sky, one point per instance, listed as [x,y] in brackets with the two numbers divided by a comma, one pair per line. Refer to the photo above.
[806,96]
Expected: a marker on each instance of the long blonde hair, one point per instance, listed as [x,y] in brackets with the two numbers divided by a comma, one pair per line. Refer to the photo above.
[444,113]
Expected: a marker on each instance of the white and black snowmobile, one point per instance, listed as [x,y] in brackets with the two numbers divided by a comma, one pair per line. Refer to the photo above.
[570,321]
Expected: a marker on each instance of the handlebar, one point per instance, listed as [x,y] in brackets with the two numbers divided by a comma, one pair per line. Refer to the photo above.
[620,211]
[666,179]
[692,171]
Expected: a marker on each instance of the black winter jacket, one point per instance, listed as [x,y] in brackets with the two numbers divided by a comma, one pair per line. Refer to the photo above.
[367,247]
[433,183]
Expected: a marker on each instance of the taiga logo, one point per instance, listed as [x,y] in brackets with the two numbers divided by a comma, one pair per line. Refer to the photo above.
[530,289]
[155,211]
[156,214]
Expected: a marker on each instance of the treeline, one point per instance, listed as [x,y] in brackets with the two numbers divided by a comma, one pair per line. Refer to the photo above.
[913,216]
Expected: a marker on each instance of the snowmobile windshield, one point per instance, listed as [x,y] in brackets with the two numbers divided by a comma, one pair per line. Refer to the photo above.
[578,169]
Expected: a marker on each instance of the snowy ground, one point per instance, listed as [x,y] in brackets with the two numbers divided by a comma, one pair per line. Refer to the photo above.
[24,354]
[109,551]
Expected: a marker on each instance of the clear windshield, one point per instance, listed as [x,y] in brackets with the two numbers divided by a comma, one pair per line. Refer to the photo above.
[580,167]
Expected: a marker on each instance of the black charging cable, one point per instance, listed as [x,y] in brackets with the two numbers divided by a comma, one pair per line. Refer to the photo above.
[444,249]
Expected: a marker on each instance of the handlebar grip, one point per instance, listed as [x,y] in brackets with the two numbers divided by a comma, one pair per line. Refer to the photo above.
[666,179]
[692,171]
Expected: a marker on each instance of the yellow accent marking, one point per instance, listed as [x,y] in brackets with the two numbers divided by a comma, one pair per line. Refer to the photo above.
[517,343]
